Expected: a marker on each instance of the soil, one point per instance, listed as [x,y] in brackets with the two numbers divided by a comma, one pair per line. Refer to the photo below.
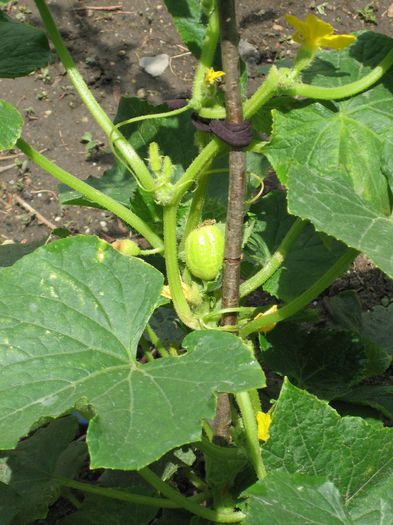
[107,41]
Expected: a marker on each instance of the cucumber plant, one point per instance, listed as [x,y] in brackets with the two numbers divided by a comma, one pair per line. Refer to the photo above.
[158,349]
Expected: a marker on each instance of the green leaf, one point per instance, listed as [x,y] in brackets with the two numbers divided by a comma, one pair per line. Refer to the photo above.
[343,189]
[168,327]
[379,397]
[324,138]
[98,510]
[374,327]
[310,256]
[309,437]
[30,470]
[345,310]
[11,124]
[221,472]
[9,504]
[174,517]
[22,48]
[69,332]
[117,182]
[10,253]
[378,327]
[330,203]
[296,499]
[189,22]
[326,362]
[376,508]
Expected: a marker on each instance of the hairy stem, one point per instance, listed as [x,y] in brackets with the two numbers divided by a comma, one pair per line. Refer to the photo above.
[156,341]
[303,299]
[137,165]
[197,204]
[92,194]
[121,495]
[251,430]
[172,269]
[207,55]
[275,260]
[172,494]
[348,90]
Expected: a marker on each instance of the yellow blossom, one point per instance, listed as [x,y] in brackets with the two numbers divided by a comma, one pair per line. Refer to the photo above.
[263,420]
[313,33]
[265,329]
[212,76]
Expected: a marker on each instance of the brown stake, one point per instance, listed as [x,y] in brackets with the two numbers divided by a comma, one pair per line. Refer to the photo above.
[236,193]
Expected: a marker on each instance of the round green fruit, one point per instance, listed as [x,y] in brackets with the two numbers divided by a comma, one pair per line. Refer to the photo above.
[204,251]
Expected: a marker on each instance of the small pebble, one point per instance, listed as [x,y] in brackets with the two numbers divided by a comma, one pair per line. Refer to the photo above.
[141,93]
[155,66]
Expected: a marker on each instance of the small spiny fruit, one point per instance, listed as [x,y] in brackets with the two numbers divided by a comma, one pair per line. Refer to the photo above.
[204,251]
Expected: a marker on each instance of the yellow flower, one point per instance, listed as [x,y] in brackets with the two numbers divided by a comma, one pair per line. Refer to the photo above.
[273,309]
[313,33]
[212,76]
[263,420]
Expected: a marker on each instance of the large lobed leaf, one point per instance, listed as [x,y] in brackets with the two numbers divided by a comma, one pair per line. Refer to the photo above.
[322,468]
[296,499]
[336,157]
[307,436]
[326,362]
[71,316]
[22,48]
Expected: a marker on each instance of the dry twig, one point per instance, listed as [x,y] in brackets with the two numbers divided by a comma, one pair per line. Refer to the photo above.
[40,218]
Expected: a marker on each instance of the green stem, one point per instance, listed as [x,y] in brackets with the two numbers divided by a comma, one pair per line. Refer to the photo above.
[67,493]
[136,163]
[92,194]
[215,451]
[118,494]
[156,341]
[263,94]
[251,429]
[196,208]
[348,90]
[146,349]
[303,299]
[196,168]
[194,508]
[172,269]
[209,46]
[274,262]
